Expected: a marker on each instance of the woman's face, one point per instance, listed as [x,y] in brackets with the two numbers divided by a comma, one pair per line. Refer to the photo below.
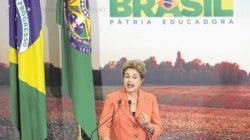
[131,80]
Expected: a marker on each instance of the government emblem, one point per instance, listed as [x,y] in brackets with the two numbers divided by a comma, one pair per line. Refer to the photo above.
[78,21]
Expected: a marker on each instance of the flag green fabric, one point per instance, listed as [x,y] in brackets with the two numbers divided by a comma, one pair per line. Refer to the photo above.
[76,61]
[27,80]
[64,44]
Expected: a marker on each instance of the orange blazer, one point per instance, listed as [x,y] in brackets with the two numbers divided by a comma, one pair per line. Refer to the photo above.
[121,124]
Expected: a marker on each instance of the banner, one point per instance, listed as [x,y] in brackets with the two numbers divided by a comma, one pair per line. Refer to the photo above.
[27,81]
[197,59]
[74,18]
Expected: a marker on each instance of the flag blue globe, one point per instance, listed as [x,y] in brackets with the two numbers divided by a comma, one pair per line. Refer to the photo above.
[168,3]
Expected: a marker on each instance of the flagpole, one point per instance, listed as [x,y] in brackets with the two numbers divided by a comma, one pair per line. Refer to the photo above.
[79,137]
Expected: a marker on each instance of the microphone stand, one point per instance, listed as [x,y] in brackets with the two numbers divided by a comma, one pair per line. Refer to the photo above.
[119,104]
[138,123]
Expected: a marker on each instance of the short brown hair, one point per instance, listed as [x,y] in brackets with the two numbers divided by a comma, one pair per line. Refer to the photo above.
[138,65]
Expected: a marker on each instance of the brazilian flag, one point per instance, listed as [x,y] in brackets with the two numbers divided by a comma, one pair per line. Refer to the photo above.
[77,77]
[26,57]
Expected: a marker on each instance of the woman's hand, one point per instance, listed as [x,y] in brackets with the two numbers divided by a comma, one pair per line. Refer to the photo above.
[144,119]
[145,122]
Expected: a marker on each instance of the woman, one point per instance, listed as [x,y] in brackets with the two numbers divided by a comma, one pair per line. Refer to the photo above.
[130,113]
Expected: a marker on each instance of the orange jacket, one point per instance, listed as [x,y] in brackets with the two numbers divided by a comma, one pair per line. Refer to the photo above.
[122,125]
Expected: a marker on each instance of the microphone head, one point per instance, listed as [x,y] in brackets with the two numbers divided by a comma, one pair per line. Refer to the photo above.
[119,102]
[129,102]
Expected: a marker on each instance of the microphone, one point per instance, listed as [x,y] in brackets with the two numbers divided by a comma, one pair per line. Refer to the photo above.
[129,103]
[138,123]
[119,103]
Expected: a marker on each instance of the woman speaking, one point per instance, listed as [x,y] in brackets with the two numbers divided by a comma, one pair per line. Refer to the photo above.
[130,113]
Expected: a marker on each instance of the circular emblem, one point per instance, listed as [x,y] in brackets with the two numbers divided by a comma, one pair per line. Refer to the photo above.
[167,4]
[78,21]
